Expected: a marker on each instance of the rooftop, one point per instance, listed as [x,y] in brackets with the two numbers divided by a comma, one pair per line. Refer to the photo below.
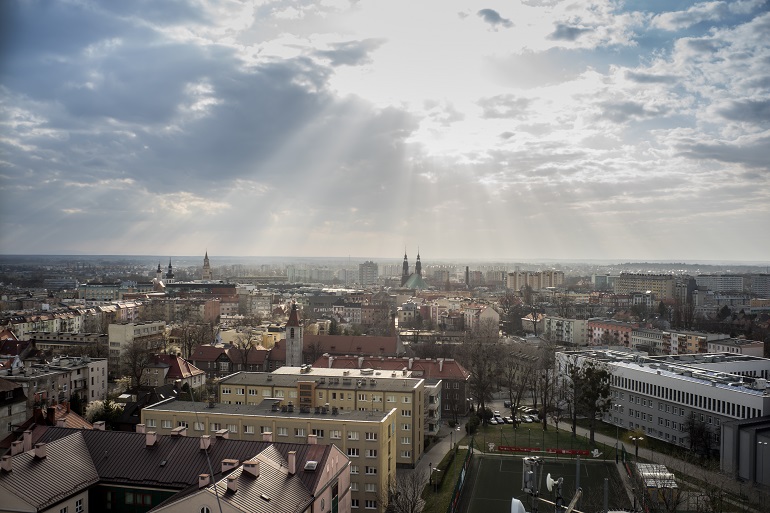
[335,379]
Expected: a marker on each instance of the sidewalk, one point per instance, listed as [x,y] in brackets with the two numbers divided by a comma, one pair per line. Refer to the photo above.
[438,449]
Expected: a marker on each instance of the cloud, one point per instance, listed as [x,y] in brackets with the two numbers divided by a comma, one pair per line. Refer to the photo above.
[750,111]
[493,18]
[504,106]
[351,53]
[567,32]
[650,78]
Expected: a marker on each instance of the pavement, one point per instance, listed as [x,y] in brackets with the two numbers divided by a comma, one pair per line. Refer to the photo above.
[439,448]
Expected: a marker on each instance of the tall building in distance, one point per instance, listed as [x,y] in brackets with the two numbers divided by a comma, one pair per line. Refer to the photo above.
[404,270]
[206,275]
[294,339]
[367,273]
[517,280]
[170,273]
[662,285]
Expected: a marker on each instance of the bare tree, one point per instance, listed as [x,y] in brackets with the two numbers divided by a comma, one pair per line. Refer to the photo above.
[134,358]
[480,354]
[245,342]
[515,373]
[406,492]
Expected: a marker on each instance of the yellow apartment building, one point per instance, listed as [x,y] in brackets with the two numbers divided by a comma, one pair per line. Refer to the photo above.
[367,437]
[315,388]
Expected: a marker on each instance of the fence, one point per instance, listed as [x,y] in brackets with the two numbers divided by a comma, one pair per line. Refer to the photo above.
[455,500]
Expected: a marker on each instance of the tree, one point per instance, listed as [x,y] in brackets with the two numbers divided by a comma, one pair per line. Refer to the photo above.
[545,377]
[134,358]
[516,367]
[245,343]
[588,392]
[480,354]
[406,492]
[699,435]
[107,411]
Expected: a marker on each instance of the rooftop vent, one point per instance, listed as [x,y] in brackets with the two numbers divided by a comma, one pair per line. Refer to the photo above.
[311,465]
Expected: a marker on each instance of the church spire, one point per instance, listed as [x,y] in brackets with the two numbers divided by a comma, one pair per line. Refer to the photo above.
[418,265]
[405,270]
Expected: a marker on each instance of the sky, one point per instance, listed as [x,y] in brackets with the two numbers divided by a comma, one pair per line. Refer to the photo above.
[487,130]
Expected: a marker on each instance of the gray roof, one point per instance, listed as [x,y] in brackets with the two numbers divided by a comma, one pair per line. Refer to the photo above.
[264,409]
[382,382]
[66,470]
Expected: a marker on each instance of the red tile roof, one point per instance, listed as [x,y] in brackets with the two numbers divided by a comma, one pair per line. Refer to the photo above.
[179,368]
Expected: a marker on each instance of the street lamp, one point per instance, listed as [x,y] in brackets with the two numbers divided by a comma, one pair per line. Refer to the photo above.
[636,440]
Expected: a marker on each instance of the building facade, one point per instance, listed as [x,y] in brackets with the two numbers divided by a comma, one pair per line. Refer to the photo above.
[662,285]
[567,331]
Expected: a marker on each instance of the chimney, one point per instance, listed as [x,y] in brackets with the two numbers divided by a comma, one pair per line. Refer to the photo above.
[205,442]
[40,451]
[204,480]
[27,440]
[62,422]
[150,437]
[251,468]
[411,361]
[229,464]
[140,428]
[441,365]
[232,484]
[51,418]
[17,447]
[67,406]
[331,362]
[7,463]
[292,462]
[99,425]
[360,361]
[267,436]
[312,439]
[179,431]
[37,414]
[222,433]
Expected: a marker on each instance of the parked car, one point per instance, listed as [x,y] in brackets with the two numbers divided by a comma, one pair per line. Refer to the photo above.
[526,418]
[493,421]
[506,404]
[508,420]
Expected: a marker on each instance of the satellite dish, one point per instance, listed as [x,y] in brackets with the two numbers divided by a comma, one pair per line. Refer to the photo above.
[549,482]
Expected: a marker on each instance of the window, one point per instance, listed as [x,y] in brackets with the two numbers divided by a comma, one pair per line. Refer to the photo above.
[299,431]
[371,453]
[266,393]
[406,440]
[282,431]
[354,487]
[216,426]
[165,424]
[354,503]
[362,397]
[371,487]
[205,509]
[249,430]
[406,454]
[336,434]
[79,506]
[371,471]
[252,391]
[371,436]
[406,413]
[406,399]
[63,510]
[456,385]
[199,426]
[354,469]
[233,428]
[391,398]
[318,432]
[353,452]
[406,427]
[225,390]
[352,435]
[239,391]
[370,504]
[150,423]
[129,497]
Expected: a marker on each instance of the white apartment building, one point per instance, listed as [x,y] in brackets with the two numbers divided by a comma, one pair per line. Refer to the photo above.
[568,331]
[720,282]
[657,394]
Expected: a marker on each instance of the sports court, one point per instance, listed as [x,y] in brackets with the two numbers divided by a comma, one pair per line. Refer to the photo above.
[495,479]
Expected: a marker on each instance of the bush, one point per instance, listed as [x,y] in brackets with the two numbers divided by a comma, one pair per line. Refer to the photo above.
[472,425]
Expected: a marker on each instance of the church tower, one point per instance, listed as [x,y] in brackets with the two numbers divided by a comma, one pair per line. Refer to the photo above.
[206,267]
[405,270]
[294,339]
[169,273]
[159,273]
[418,265]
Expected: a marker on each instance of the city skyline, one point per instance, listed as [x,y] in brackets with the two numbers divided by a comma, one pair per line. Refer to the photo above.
[598,131]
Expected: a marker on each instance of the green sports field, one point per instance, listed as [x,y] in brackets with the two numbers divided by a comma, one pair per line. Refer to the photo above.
[495,479]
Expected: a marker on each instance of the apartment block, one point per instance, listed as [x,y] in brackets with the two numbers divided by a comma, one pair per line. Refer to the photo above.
[568,331]
[662,285]
[368,438]
[121,336]
[517,280]
[737,346]
[720,282]
[343,389]
[607,332]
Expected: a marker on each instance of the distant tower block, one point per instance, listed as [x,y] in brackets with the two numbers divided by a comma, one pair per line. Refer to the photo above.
[206,267]
[294,339]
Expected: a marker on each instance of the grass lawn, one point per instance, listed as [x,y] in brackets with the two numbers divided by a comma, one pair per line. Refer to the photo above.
[439,502]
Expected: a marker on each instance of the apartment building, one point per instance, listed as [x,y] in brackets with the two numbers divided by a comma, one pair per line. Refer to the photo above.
[517,280]
[344,389]
[121,336]
[662,285]
[760,285]
[368,438]
[658,394]
[720,282]
[689,342]
[737,346]
[567,331]
[607,332]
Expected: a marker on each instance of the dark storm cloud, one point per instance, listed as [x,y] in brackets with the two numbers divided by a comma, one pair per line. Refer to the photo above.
[493,18]
[351,53]
[504,106]
[567,32]
[749,111]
